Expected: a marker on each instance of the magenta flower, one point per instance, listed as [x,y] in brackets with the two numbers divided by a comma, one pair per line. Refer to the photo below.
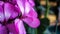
[7,11]
[13,10]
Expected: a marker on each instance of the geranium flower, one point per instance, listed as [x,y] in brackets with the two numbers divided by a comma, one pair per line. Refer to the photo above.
[7,11]
[22,10]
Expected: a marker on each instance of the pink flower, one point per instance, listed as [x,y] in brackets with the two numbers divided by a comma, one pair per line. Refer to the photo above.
[29,16]
[10,11]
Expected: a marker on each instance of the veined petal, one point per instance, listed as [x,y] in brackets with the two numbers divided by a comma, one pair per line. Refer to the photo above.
[3,29]
[1,14]
[32,22]
[29,10]
[32,13]
[21,5]
[20,26]
[31,16]
[27,7]
[10,11]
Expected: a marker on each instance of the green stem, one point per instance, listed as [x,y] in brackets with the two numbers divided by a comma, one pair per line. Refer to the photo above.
[47,9]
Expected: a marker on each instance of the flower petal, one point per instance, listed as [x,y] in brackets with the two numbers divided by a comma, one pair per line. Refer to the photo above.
[29,10]
[1,3]
[3,29]
[31,16]
[32,13]
[1,14]
[32,22]
[12,1]
[27,7]
[21,5]
[31,3]
[19,24]
[17,27]
[12,29]
[10,11]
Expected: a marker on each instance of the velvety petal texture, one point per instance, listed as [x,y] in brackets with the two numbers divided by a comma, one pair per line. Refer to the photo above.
[1,14]
[1,3]
[31,3]
[20,26]
[32,22]
[32,13]
[30,16]
[3,29]
[12,28]
[10,11]
[21,5]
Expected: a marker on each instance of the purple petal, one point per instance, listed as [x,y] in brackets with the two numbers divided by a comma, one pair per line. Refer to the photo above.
[12,1]
[3,29]
[1,14]
[31,3]
[1,3]
[12,29]
[32,13]
[10,11]
[32,22]
[27,7]
[17,27]
[20,26]
[21,5]
[31,16]
[29,10]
